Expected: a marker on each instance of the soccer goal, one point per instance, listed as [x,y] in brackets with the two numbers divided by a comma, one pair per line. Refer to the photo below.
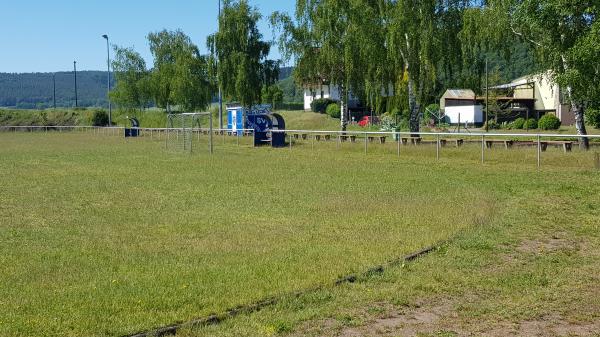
[185,128]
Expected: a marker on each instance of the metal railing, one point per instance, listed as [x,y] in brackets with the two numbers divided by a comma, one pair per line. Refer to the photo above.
[539,140]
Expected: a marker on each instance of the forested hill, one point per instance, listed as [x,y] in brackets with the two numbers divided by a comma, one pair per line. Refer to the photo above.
[35,90]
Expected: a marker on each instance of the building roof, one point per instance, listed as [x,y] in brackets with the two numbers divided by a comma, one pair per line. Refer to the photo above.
[459,94]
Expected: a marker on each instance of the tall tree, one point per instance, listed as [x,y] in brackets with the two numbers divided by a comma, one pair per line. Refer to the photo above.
[332,42]
[370,46]
[243,67]
[564,35]
[423,41]
[180,75]
[131,90]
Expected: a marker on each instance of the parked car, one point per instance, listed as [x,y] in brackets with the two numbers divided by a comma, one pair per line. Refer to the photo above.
[368,120]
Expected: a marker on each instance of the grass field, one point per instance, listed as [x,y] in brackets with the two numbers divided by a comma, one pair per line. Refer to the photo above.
[102,237]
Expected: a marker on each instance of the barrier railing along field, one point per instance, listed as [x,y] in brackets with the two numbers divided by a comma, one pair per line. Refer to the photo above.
[540,141]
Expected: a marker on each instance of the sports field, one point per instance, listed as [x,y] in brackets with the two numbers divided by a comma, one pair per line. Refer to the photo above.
[103,237]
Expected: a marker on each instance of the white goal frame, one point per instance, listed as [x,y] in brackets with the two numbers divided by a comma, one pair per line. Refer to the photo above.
[185,125]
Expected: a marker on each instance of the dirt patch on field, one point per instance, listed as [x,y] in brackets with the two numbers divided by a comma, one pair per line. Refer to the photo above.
[548,244]
[440,318]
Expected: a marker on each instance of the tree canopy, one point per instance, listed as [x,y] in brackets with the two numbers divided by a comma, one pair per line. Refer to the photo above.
[563,34]
[240,56]
[180,75]
[132,89]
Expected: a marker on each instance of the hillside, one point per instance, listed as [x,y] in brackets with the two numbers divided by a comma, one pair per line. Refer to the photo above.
[35,90]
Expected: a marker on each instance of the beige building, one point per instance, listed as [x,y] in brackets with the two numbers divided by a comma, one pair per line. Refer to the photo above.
[546,95]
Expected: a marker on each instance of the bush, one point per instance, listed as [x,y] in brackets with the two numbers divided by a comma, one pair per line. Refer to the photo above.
[592,117]
[491,125]
[100,118]
[333,110]
[431,112]
[518,123]
[549,122]
[531,124]
[320,105]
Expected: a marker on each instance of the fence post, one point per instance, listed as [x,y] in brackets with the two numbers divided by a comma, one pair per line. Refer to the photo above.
[483,149]
[539,151]
[366,143]
[437,148]
[597,160]
[399,141]
[290,137]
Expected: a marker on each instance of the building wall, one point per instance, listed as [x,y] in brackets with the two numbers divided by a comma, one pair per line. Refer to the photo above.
[545,92]
[317,92]
[326,91]
[471,114]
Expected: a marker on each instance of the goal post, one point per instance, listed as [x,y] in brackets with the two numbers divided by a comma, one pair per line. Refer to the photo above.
[183,128]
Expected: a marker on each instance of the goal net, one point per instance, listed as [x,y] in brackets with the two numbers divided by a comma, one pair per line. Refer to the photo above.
[185,131]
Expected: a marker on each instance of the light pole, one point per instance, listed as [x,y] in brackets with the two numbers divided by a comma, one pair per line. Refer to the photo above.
[75,74]
[108,80]
[54,90]
[218,79]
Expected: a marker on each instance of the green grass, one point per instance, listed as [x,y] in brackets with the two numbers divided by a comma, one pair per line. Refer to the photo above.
[103,237]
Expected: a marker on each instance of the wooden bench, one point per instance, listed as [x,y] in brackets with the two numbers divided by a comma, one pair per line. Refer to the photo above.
[412,140]
[459,142]
[507,143]
[567,146]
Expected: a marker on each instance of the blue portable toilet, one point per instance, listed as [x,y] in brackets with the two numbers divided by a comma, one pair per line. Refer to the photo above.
[261,120]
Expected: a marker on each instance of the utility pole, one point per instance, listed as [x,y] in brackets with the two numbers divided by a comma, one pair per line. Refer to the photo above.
[487,97]
[54,89]
[75,73]
[108,81]
[218,79]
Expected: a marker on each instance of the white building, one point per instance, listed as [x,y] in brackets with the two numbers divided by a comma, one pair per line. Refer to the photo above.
[320,91]
[461,106]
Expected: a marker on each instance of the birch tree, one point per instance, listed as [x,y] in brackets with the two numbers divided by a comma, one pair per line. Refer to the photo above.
[180,75]
[368,46]
[329,40]
[565,36]
[243,67]
[423,41]
[131,90]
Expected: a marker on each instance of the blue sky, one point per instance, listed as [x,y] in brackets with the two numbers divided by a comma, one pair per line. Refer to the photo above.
[47,36]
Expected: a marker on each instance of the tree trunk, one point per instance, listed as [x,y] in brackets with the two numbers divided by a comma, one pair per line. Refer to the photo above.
[577,109]
[343,107]
[413,107]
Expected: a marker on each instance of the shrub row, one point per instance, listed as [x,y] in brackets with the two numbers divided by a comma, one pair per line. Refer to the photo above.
[326,105]
[320,105]
[592,117]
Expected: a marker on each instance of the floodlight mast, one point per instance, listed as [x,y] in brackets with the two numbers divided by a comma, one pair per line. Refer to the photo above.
[218,79]
[108,80]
